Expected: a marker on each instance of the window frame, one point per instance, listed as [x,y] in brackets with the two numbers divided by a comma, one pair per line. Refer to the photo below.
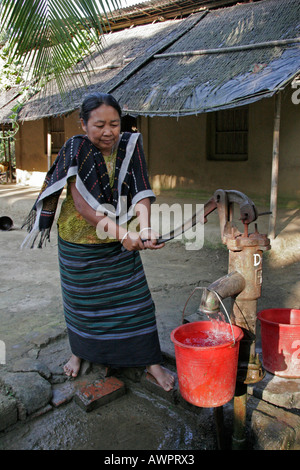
[52,127]
[238,128]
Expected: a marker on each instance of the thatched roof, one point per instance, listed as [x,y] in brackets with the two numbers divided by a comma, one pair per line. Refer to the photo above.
[211,60]
[8,99]
[182,82]
[123,52]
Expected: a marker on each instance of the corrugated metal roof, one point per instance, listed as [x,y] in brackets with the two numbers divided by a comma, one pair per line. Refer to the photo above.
[192,82]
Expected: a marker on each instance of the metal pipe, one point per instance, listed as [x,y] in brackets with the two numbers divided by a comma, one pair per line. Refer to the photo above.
[219,422]
[239,417]
[227,286]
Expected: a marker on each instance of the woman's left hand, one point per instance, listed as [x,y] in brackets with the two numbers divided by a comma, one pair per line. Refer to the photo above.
[149,240]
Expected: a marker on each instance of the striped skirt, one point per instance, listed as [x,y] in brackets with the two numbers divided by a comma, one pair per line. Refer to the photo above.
[109,311]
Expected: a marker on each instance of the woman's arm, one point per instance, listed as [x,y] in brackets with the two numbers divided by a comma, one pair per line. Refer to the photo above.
[131,241]
[143,212]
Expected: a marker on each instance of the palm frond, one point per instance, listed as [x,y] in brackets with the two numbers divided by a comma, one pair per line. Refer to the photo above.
[44,35]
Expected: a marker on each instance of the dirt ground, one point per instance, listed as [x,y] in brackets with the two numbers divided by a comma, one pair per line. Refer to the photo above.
[31,305]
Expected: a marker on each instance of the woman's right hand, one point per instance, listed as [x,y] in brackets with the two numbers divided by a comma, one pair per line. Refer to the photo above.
[133,242]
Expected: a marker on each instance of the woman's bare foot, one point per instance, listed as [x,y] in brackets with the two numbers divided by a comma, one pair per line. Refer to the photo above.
[163,377]
[72,367]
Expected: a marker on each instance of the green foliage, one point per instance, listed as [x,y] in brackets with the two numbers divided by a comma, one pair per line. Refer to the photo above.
[42,39]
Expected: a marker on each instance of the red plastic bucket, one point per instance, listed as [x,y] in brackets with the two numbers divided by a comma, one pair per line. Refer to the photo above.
[206,375]
[280,340]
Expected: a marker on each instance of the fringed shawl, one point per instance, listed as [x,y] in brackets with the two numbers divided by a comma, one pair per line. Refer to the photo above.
[80,157]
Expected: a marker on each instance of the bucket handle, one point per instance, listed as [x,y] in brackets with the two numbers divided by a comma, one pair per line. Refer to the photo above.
[221,302]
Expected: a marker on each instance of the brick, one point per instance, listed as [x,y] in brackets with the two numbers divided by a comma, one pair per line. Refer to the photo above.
[62,394]
[103,371]
[133,373]
[99,393]
[85,368]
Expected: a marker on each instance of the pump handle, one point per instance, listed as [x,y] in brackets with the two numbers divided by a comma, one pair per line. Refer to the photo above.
[223,201]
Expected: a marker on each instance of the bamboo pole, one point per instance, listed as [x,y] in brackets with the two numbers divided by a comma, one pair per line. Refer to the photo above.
[9,160]
[222,50]
[275,167]
[4,150]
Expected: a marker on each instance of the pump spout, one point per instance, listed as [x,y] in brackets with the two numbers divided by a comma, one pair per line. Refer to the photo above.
[227,286]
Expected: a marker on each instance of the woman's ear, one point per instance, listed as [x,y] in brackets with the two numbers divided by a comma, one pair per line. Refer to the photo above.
[83,125]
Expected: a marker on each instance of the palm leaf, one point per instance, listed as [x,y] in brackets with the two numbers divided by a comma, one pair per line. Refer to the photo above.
[44,35]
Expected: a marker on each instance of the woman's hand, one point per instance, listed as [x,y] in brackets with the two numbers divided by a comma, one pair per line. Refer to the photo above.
[133,241]
[149,239]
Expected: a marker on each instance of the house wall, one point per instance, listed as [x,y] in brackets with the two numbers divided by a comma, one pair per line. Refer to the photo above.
[31,160]
[72,125]
[31,148]
[176,152]
[289,163]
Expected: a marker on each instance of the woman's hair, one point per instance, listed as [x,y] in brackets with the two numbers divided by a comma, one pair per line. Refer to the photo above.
[93,101]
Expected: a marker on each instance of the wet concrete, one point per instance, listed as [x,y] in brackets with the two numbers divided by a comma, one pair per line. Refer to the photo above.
[136,421]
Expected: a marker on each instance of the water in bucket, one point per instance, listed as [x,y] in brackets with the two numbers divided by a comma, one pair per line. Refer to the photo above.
[206,340]
[212,337]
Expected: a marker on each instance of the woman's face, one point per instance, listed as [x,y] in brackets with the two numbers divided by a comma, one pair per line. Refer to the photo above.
[103,128]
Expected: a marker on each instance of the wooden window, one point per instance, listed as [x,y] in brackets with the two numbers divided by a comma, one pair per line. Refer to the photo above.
[228,135]
[57,131]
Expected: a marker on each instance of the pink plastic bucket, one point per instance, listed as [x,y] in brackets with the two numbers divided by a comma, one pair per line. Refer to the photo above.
[280,339]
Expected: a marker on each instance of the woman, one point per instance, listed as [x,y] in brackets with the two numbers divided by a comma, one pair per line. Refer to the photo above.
[109,311]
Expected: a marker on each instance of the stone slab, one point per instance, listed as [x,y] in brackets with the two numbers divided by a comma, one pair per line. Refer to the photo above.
[31,365]
[8,411]
[278,391]
[273,428]
[29,388]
